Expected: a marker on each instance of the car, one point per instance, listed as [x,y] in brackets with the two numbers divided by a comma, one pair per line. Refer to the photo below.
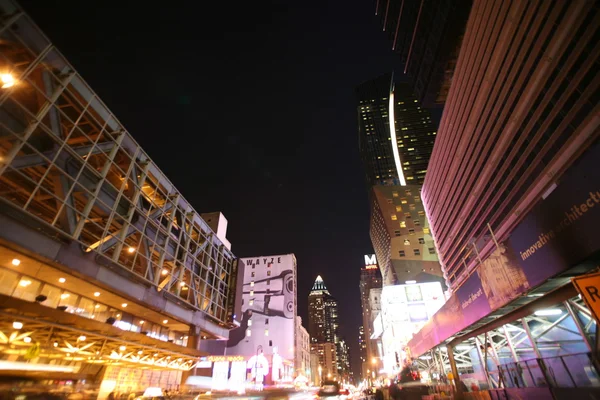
[329,389]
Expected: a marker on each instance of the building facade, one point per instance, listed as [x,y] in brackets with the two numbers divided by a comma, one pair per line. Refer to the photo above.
[326,354]
[323,326]
[427,36]
[487,173]
[401,236]
[268,324]
[512,190]
[362,352]
[302,348]
[344,361]
[396,134]
[96,244]
[322,314]
[370,278]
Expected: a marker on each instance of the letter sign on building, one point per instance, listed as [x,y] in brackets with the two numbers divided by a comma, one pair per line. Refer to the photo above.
[370,259]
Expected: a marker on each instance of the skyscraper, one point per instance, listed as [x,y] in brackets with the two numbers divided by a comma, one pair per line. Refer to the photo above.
[322,314]
[323,327]
[427,36]
[370,278]
[396,134]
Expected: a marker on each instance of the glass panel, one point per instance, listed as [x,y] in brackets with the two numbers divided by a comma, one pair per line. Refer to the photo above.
[8,281]
[85,308]
[100,312]
[53,295]
[27,289]
[68,300]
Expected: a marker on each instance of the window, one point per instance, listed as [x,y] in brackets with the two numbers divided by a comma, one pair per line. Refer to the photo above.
[411,231]
[390,201]
[394,217]
[426,231]
[407,215]
[408,192]
[252,275]
[417,199]
[421,213]
[432,250]
[402,224]
[412,207]
[394,194]
[397,232]
[417,252]
[27,289]
[417,222]
[401,253]
[269,273]
[404,201]
[406,242]
[398,208]
[421,241]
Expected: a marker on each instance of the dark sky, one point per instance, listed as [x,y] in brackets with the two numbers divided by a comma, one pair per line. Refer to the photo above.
[248,107]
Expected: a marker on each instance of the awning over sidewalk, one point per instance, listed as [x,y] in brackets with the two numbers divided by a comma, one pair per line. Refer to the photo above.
[32,331]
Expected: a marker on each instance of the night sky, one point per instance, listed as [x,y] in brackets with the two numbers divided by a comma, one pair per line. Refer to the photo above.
[249,108]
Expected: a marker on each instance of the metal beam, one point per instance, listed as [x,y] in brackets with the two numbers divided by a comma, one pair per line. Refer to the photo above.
[559,295]
[36,160]
[110,240]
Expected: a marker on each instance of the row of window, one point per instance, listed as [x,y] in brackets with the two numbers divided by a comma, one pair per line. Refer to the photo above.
[417,252]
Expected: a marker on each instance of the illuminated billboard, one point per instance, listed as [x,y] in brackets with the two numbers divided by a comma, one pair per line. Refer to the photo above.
[268,313]
[404,310]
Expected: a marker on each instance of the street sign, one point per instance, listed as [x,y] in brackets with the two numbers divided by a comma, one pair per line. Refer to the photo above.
[589,288]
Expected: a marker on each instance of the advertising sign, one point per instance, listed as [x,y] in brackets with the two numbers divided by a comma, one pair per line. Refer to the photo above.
[267,326]
[404,310]
[559,233]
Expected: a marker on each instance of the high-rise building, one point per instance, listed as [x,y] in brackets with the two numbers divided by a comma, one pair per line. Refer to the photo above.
[326,354]
[322,314]
[401,236]
[427,36]
[516,119]
[362,344]
[323,325]
[343,361]
[302,350]
[370,278]
[396,134]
